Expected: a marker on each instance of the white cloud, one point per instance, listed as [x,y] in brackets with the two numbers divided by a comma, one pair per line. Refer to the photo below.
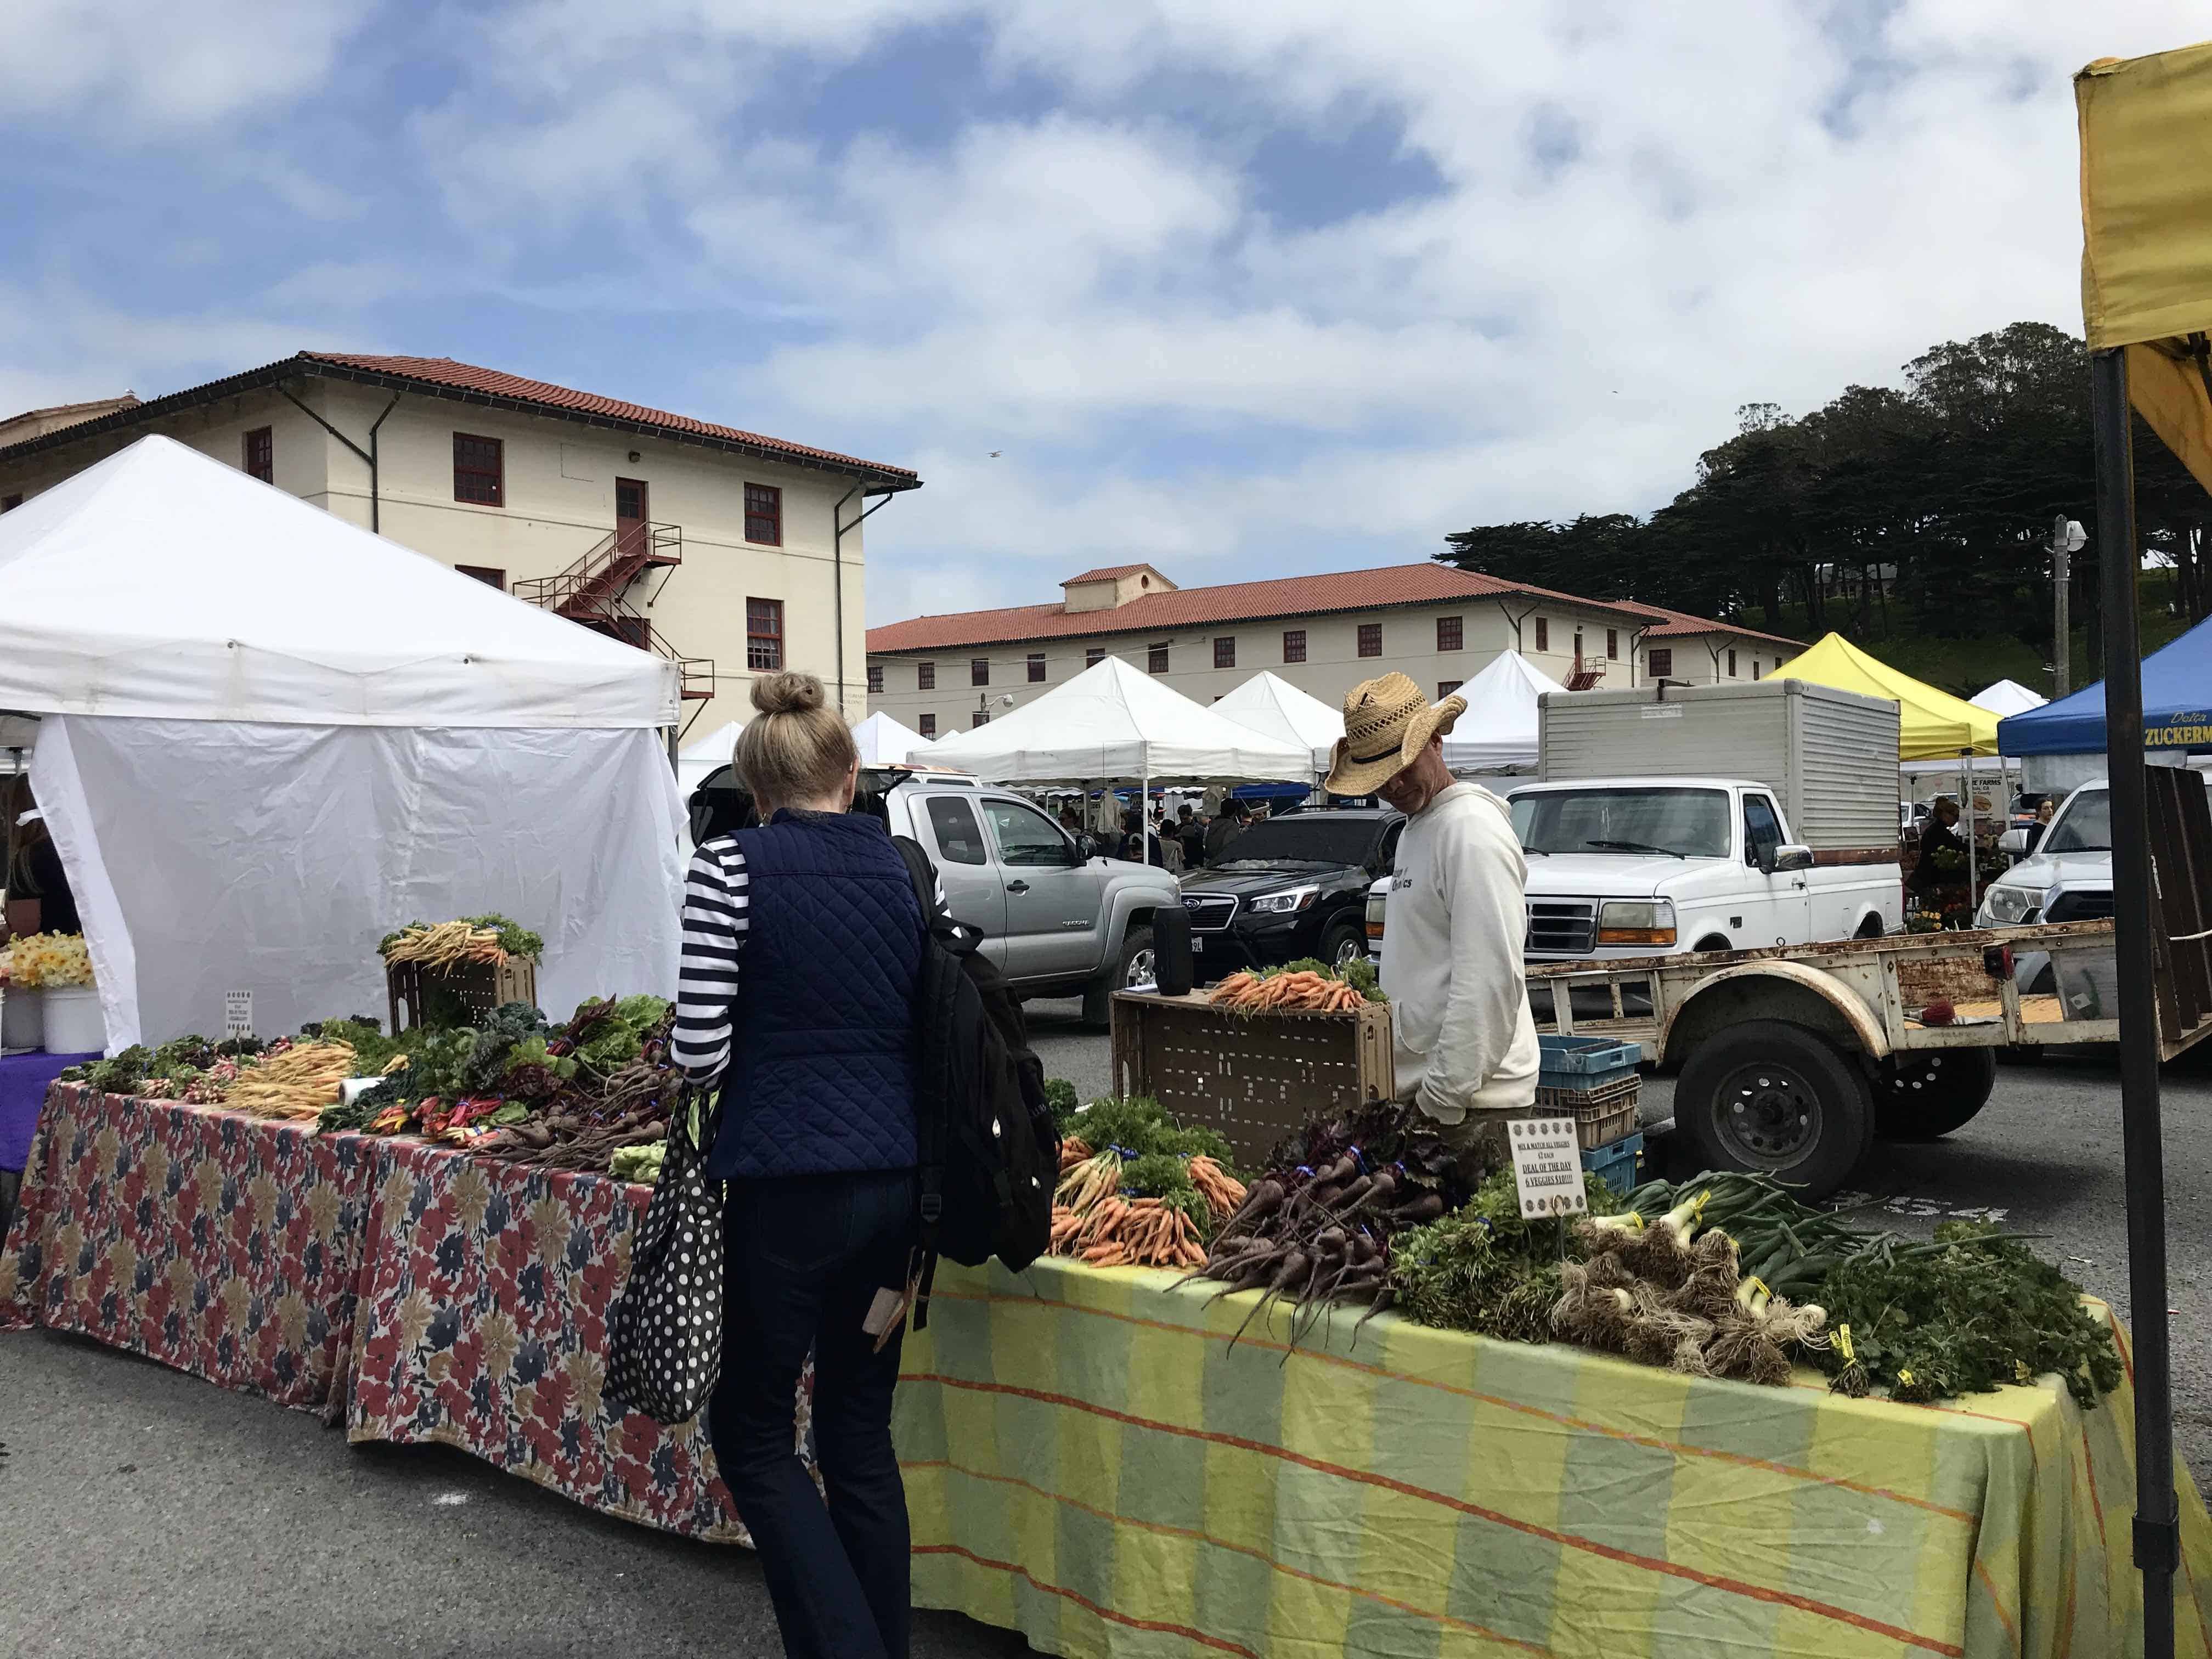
[148,64]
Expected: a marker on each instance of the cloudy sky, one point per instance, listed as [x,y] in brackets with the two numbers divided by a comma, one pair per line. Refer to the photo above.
[1239,288]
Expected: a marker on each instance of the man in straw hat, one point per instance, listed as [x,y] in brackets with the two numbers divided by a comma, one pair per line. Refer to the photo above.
[1466,1047]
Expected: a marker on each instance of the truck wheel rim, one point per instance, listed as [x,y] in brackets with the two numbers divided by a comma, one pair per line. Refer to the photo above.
[1767,1115]
[1908,1077]
[1141,968]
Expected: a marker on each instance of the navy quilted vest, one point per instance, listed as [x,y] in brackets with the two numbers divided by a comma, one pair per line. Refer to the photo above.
[821,1054]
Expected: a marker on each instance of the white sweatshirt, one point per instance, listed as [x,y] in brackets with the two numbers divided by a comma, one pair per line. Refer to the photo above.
[1451,959]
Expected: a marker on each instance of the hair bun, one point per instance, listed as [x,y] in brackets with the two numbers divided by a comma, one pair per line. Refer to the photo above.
[788,693]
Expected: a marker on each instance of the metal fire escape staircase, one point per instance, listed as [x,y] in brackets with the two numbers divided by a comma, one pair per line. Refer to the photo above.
[595,591]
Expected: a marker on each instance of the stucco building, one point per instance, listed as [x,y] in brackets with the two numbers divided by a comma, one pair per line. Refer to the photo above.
[1324,633]
[734,552]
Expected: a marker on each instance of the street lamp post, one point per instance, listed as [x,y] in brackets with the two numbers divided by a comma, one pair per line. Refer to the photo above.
[2067,538]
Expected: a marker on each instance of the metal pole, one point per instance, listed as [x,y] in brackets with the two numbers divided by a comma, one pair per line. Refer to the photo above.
[2061,596]
[1967,800]
[1145,815]
[2157,1530]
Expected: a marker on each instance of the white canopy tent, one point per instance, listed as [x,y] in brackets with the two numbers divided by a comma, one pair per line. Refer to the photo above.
[2007,698]
[269,737]
[694,760]
[1275,708]
[1497,733]
[1112,721]
[883,741]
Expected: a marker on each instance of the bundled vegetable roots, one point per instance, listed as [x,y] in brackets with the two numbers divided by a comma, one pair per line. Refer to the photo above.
[1284,991]
[1150,1196]
[297,1083]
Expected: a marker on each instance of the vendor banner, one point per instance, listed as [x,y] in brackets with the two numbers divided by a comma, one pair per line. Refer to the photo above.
[224,1245]
[1093,1459]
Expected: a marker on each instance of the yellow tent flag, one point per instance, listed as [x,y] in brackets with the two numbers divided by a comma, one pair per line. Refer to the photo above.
[2146,125]
[1932,724]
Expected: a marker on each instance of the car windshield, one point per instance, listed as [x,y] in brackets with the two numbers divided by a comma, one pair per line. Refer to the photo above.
[2085,826]
[1305,838]
[1691,823]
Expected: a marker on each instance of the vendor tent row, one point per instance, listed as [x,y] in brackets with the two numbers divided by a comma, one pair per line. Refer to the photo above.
[252,776]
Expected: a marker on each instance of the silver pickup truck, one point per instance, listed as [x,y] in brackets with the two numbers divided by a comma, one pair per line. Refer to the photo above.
[1056,923]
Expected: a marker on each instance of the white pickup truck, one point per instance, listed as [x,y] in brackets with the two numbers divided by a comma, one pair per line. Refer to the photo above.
[1621,868]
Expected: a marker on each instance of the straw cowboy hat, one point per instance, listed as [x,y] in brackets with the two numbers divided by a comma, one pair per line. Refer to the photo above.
[1387,724]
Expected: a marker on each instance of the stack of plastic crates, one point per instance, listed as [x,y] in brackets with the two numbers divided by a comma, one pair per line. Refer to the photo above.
[1593,1081]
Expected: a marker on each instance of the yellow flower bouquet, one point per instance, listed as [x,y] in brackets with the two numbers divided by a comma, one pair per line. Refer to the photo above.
[42,959]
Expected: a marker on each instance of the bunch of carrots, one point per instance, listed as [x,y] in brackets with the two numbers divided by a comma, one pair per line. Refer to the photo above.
[1302,992]
[1091,1219]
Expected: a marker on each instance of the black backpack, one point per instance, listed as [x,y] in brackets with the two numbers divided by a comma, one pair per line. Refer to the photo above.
[987,1148]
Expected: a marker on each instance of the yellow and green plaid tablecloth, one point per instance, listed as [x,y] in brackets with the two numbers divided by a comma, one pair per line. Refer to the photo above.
[1089,1462]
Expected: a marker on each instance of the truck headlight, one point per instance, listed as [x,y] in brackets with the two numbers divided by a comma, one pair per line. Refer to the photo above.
[2009,906]
[1636,921]
[1377,907]
[1287,902]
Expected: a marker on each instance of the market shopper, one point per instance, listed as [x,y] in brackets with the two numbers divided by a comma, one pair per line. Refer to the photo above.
[1190,830]
[1465,1043]
[1940,835]
[814,1060]
[1228,824]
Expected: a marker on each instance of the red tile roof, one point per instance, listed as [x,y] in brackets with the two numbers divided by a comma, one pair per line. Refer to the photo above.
[1109,573]
[486,386]
[1680,624]
[1194,607]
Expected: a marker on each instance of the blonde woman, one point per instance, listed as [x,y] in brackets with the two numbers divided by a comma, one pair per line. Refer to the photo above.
[802,943]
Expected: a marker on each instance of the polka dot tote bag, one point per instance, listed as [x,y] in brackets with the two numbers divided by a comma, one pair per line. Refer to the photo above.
[665,1336]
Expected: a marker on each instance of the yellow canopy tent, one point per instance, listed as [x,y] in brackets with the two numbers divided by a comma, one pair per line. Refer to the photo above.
[2146,127]
[1933,725]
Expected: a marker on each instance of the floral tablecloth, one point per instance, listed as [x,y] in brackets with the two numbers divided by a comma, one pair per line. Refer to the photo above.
[484,1294]
[225,1245]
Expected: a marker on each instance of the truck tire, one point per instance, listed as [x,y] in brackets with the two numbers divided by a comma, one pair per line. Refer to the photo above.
[1775,1097]
[1132,965]
[1344,941]
[1925,1096]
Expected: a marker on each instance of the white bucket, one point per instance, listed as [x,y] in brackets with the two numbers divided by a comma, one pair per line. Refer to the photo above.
[22,1018]
[74,1024]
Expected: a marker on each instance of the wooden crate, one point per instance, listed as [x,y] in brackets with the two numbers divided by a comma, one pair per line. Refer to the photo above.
[482,986]
[1254,1078]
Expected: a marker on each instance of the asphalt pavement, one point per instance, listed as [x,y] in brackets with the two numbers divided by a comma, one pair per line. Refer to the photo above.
[143,1512]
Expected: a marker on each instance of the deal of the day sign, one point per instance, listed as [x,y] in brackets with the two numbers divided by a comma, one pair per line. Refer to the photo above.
[1547,1165]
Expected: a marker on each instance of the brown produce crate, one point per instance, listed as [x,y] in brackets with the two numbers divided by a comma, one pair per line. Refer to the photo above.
[1255,1077]
[482,986]
[1602,1116]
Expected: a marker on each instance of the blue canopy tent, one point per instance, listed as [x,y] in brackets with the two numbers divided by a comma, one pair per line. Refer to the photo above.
[2177,701]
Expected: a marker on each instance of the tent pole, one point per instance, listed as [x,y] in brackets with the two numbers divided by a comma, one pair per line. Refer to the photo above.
[2157,1530]
[1966,797]
[1145,815]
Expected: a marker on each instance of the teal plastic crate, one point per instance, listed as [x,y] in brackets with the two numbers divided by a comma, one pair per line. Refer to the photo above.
[1616,1164]
[1584,1062]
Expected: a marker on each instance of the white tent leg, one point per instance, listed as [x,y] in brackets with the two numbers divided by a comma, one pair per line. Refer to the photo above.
[1967,793]
[1145,817]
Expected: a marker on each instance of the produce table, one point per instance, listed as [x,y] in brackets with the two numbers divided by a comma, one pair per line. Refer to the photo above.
[485,1289]
[24,1080]
[1090,1463]
[221,1244]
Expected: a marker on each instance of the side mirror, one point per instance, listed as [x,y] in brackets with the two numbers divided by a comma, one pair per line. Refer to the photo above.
[1788,857]
[2018,842]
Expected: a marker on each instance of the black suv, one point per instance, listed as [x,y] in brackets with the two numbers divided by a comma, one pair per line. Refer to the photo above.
[1290,887]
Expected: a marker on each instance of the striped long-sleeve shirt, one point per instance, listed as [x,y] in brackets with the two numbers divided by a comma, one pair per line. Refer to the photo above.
[715,922]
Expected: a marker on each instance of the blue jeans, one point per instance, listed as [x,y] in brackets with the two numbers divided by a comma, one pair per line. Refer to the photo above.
[805,1257]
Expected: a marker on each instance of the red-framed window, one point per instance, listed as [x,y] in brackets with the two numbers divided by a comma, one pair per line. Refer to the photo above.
[1663,662]
[1543,634]
[1225,651]
[1036,668]
[979,671]
[1754,668]
[259,459]
[489,576]
[1451,633]
[1294,645]
[1370,639]
[1731,665]
[764,514]
[763,636]
[928,727]
[1156,660]
[1094,656]
[1445,688]
[925,677]
[1612,645]
[875,679]
[479,470]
